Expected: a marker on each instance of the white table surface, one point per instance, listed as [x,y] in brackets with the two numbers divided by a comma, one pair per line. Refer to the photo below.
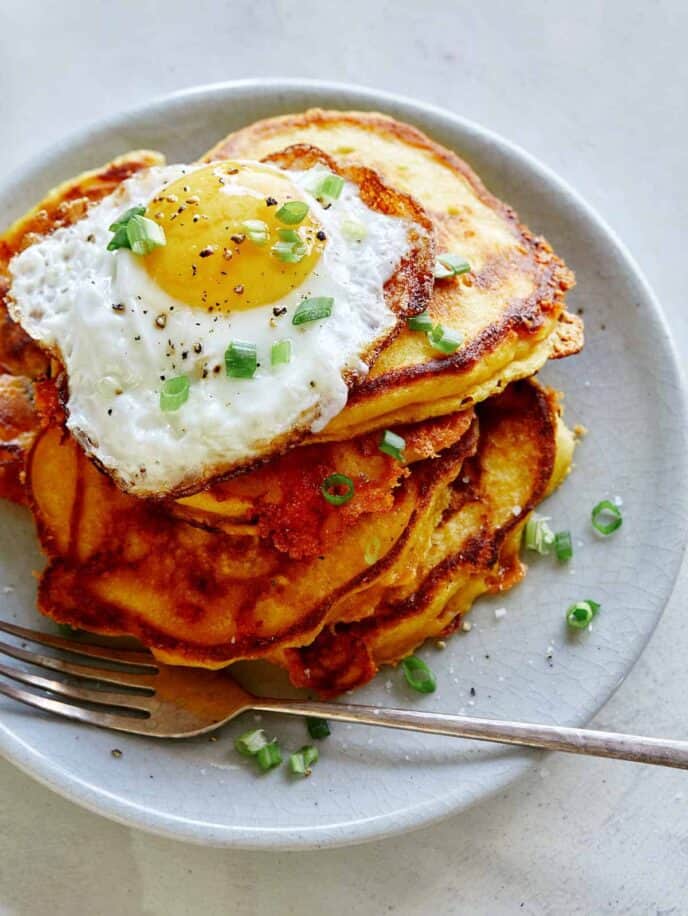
[599,91]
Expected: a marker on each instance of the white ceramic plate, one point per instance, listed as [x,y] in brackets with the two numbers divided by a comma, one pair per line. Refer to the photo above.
[625,387]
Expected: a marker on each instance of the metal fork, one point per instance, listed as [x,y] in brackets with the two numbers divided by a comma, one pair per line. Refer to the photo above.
[145,697]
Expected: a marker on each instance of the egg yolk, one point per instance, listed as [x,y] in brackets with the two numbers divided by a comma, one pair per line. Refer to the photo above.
[221,229]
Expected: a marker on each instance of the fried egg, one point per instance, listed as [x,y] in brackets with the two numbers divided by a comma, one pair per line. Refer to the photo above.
[154,345]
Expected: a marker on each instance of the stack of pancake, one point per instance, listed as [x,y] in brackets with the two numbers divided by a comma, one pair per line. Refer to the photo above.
[257,565]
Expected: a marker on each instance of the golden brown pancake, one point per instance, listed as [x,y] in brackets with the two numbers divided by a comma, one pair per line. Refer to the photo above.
[259,566]
[524,452]
[509,308]
[282,499]
[202,596]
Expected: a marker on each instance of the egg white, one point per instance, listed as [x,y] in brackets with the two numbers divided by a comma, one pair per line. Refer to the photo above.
[64,287]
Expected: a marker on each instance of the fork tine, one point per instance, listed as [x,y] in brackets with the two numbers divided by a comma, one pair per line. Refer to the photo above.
[82,694]
[101,719]
[139,657]
[116,678]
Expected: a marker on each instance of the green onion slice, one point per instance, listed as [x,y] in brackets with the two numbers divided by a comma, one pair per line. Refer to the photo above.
[125,217]
[353,230]
[325,185]
[250,742]
[65,629]
[444,339]
[293,212]
[331,489]
[280,352]
[301,762]
[174,393]
[312,309]
[119,240]
[418,675]
[372,551]
[606,517]
[145,235]
[538,535]
[393,445]
[450,265]
[291,248]
[420,322]
[563,546]
[269,756]
[241,360]
[441,272]
[580,614]
[318,728]
[256,230]
[330,187]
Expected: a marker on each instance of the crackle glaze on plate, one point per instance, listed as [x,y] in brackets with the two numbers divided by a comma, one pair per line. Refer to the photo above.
[625,388]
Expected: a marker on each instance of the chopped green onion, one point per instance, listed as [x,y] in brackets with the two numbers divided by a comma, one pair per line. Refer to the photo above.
[538,535]
[563,546]
[125,217]
[145,235]
[293,212]
[579,615]
[444,339]
[241,360]
[609,511]
[353,230]
[256,230]
[301,762]
[418,675]
[331,489]
[119,240]
[269,756]
[326,187]
[288,253]
[280,353]
[312,309]
[392,445]
[291,248]
[420,322]
[450,265]
[441,272]
[174,393]
[66,629]
[330,187]
[454,262]
[250,742]
[372,552]
[318,728]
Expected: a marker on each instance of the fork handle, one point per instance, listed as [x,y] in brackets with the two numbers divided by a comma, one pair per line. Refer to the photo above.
[660,751]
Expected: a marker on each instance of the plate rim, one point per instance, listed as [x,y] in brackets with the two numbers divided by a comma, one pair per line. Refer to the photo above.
[94,798]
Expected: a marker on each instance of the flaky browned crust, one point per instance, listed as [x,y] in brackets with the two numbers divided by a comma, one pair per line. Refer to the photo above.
[569,336]
[19,423]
